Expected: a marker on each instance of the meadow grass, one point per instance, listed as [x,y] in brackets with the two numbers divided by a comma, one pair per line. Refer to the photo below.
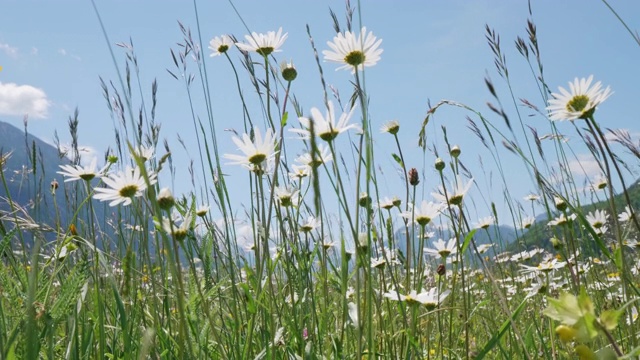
[319,263]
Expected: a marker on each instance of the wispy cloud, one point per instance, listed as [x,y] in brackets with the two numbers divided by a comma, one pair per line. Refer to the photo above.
[64,52]
[86,152]
[585,164]
[20,100]
[9,50]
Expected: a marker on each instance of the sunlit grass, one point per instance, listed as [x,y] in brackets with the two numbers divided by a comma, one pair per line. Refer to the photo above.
[320,263]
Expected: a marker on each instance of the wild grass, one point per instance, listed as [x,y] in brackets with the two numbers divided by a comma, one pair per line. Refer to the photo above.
[320,263]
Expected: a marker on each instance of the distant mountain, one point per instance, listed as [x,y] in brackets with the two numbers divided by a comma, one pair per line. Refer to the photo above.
[501,236]
[29,167]
[540,233]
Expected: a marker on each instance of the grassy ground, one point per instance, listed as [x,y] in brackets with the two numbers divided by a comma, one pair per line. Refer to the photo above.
[320,265]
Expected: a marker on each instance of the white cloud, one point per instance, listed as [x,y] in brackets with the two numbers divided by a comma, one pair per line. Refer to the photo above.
[9,50]
[87,154]
[585,164]
[20,100]
[64,52]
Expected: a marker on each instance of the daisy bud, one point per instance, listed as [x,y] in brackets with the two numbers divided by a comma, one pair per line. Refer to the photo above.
[288,71]
[54,185]
[112,159]
[455,151]
[165,199]
[364,200]
[556,243]
[414,178]
[396,201]
[439,164]
[560,204]
[363,242]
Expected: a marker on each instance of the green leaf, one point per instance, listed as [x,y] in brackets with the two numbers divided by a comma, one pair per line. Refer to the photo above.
[497,336]
[283,122]
[467,240]
[397,159]
[606,354]
[609,319]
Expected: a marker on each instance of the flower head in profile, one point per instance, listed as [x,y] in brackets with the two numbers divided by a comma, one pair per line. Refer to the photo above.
[325,126]
[455,194]
[579,102]
[597,218]
[485,222]
[321,156]
[311,224]
[178,226]
[220,45]
[287,196]
[423,214]
[354,52]
[442,249]
[143,152]
[430,299]
[392,127]
[124,186]
[257,151]
[263,44]
[77,172]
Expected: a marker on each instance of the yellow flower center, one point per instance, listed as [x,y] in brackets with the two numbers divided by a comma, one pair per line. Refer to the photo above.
[265,51]
[128,191]
[354,58]
[257,159]
[578,103]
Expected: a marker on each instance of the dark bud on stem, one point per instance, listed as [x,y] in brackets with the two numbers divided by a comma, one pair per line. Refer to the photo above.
[414,178]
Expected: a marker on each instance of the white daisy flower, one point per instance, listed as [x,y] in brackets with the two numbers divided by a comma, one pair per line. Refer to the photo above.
[430,299]
[423,214]
[322,156]
[442,249]
[543,267]
[578,103]
[202,210]
[77,172]
[597,218]
[257,151]
[124,186]
[220,45]
[287,196]
[388,203]
[392,127]
[625,215]
[299,171]
[143,152]
[178,226]
[483,248]
[325,126]
[527,222]
[311,224]
[355,52]
[485,222]
[263,44]
[456,193]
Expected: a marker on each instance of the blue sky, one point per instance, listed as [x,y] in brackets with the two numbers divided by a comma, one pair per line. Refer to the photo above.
[53,53]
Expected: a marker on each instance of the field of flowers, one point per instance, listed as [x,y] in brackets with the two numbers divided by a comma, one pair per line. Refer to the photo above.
[321,264]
